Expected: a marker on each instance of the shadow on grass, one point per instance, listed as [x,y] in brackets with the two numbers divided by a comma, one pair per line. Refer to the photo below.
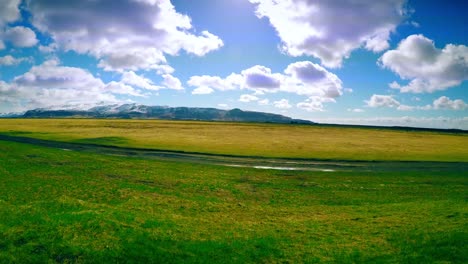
[103,140]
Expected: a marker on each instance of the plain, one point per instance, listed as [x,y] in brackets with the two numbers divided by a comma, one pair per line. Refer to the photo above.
[64,206]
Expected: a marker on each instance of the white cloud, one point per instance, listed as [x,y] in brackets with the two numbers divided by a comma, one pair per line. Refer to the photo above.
[314,103]
[9,11]
[402,107]
[428,68]
[282,104]
[377,100]
[202,90]
[442,102]
[302,78]
[132,59]
[172,82]
[355,110]
[124,35]
[331,30]
[215,82]
[260,77]
[131,78]
[51,75]
[9,60]
[163,69]
[121,88]
[394,85]
[21,36]
[445,103]
[224,106]
[264,102]
[51,84]
[246,98]
[429,122]
[52,47]
[307,78]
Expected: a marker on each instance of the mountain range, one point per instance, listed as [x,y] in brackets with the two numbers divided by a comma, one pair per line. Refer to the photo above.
[164,112]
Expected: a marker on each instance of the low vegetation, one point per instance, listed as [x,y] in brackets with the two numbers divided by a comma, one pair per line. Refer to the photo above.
[250,139]
[64,206]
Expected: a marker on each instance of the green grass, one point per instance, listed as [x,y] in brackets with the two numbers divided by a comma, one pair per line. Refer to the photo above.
[77,207]
[269,140]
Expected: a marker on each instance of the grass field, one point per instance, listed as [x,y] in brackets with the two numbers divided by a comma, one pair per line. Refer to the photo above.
[64,206]
[269,140]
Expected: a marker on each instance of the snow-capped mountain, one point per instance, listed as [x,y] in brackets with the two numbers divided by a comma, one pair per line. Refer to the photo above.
[164,112]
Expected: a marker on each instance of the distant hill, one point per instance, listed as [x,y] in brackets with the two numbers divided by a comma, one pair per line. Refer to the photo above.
[167,113]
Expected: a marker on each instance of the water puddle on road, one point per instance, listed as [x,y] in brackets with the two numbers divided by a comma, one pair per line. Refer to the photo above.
[278,168]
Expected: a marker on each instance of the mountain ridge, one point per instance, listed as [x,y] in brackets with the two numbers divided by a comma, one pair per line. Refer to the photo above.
[137,111]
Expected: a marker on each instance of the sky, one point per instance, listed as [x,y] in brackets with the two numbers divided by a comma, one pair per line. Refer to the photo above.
[386,62]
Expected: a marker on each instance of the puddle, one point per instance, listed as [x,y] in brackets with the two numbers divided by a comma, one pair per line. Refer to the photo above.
[292,168]
[278,168]
[275,168]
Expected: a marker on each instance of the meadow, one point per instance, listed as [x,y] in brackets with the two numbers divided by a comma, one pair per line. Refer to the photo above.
[78,206]
[250,139]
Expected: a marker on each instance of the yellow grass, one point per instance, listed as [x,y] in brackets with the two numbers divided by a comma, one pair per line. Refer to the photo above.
[251,139]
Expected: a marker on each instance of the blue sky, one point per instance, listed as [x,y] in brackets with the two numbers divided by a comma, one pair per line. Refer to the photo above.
[389,62]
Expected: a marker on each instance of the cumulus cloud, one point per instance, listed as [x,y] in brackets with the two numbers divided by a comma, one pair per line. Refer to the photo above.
[246,98]
[9,11]
[211,83]
[172,82]
[314,103]
[355,110]
[202,90]
[429,122]
[124,35]
[282,104]
[121,88]
[311,79]
[377,100]
[403,107]
[428,68]
[50,74]
[21,36]
[163,69]
[302,78]
[260,77]
[52,47]
[331,30]
[51,84]
[9,60]
[131,78]
[442,102]
[445,103]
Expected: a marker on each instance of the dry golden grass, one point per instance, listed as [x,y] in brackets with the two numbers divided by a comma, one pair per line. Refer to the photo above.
[251,139]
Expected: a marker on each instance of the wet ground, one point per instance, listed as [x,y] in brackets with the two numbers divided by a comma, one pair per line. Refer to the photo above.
[263,163]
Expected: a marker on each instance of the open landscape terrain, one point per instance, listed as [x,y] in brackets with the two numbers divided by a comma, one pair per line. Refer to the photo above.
[242,131]
[93,191]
